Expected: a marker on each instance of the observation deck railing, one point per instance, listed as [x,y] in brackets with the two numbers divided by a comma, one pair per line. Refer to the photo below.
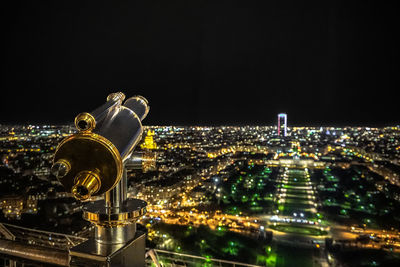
[63,242]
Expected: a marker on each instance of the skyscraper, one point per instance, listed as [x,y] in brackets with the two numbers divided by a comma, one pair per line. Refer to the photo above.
[282,124]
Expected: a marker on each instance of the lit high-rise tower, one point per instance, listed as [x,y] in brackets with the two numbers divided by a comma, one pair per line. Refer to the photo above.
[282,124]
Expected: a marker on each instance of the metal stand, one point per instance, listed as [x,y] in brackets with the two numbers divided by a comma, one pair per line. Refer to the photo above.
[116,241]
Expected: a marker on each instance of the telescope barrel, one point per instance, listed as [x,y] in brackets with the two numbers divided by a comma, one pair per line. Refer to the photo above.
[124,130]
[139,105]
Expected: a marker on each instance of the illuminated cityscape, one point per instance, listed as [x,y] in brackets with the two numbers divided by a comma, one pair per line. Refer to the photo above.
[200,133]
[220,195]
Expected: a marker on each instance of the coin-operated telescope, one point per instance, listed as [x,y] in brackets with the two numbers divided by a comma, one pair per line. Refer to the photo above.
[91,163]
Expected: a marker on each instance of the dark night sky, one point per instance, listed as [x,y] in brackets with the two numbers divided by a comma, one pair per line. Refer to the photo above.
[203,62]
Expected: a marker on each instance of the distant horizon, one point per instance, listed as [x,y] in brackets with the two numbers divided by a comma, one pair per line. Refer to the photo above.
[216,125]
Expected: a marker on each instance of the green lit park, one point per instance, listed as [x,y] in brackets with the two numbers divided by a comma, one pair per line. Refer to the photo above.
[299,229]
[296,205]
[249,191]
[252,190]
[284,215]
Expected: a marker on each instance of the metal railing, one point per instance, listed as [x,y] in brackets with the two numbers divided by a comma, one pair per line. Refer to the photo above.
[169,258]
[42,238]
[57,241]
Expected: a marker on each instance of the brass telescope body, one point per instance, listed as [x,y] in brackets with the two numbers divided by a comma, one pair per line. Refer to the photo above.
[90,163]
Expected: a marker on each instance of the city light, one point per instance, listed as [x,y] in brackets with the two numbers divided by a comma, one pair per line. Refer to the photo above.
[232,186]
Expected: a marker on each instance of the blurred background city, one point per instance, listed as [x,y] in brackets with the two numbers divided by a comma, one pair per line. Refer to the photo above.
[259,195]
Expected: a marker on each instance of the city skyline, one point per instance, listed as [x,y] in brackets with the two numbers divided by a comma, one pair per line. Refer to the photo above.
[238,193]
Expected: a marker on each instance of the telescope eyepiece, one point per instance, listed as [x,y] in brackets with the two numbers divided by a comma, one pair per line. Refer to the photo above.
[83,125]
[60,168]
[87,183]
[81,190]
[85,122]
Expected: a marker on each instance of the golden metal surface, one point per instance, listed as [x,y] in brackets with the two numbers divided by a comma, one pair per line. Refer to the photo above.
[87,183]
[114,219]
[88,151]
[85,122]
[100,215]
[116,96]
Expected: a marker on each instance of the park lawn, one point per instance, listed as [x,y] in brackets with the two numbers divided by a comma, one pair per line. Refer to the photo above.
[296,187]
[296,206]
[299,196]
[294,184]
[300,201]
[288,256]
[298,180]
[298,229]
[296,191]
